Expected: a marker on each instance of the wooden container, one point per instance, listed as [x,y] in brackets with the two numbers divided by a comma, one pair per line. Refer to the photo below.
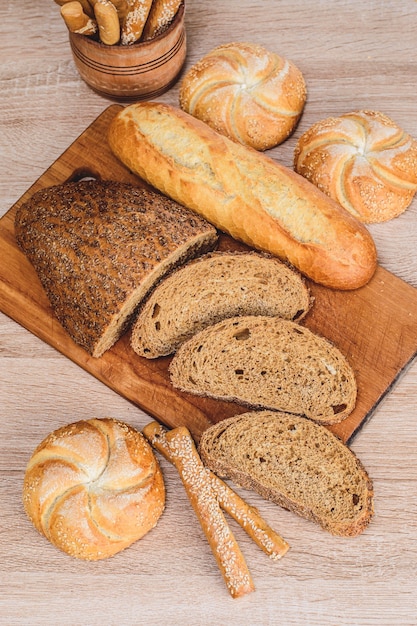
[140,71]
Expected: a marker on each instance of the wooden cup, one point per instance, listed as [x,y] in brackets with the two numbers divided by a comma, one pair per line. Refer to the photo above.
[140,71]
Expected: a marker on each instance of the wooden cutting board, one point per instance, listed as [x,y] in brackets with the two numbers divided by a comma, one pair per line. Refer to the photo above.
[375,326]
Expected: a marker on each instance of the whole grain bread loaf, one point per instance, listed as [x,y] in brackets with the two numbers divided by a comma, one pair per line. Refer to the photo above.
[296,463]
[216,286]
[267,362]
[99,247]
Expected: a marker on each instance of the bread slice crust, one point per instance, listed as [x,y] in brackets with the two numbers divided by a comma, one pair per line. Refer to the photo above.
[296,463]
[99,247]
[216,286]
[267,362]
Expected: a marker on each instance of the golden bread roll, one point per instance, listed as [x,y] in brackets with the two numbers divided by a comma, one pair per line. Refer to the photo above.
[244,193]
[93,488]
[245,92]
[363,160]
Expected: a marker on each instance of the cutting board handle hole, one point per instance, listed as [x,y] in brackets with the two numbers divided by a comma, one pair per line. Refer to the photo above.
[83,173]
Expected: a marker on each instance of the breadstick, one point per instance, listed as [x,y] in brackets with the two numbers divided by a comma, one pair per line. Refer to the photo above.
[76,20]
[87,8]
[248,517]
[108,22]
[135,20]
[160,17]
[122,7]
[197,483]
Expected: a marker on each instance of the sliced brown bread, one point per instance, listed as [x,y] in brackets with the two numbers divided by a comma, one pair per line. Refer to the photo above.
[267,362]
[99,247]
[294,462]
[216,286]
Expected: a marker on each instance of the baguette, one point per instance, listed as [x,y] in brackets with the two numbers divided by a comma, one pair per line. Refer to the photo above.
[244,193]
[211,288]
[267,362]
[295,463]
[247,516]
[199,489]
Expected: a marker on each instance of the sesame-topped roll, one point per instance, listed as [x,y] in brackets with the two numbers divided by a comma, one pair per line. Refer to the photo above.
[247,93]
[363,160]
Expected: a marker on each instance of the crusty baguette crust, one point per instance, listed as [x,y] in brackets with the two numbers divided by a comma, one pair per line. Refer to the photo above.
[244,193]
[363,160]
[98,248]
[213,287]
[93,488]
[267,362]
[245,92]
[292,458]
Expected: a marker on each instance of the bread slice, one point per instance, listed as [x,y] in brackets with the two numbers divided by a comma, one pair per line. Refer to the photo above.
[294,462]
[99,247]
[214,287]
[267,362]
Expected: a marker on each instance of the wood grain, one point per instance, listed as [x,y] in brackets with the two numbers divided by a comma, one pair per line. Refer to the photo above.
[375,326]
[353,55]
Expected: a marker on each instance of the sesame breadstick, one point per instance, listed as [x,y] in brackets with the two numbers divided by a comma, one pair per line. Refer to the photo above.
[160,17]
[248,517]
[135,20]
[76,20]
[197,483]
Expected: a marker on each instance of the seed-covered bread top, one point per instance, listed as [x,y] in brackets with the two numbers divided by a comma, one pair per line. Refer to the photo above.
[93,487]
[294,462]
[216,286]
[98,248]
[245,92]
[267,362]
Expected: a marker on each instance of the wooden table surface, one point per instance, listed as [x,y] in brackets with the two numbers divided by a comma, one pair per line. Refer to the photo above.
[353,55]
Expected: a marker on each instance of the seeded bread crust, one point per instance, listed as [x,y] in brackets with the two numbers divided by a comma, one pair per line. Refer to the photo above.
[216,286]
[99,247]
[267,362]
[364,161]
[295,463]
[246,93]
[94,487]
